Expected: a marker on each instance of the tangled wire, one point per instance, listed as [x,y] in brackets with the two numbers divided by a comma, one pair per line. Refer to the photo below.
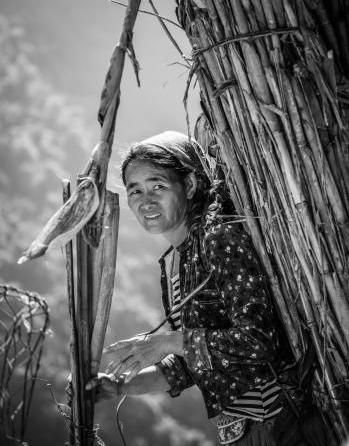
[24,320]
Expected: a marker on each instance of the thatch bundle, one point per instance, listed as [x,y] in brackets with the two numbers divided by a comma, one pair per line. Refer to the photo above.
[273,76]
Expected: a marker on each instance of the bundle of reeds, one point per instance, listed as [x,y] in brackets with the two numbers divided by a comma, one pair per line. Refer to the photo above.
[90,280]
[91,287]
[273,77]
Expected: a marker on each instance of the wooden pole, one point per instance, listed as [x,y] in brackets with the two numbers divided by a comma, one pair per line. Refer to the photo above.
[74,335]
[89,300]
[84,304]
[105,255]
[96,244]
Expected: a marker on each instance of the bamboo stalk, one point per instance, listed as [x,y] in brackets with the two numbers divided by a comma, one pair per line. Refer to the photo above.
[327,374]
[312,177]
[74,341]
[255,231]
[85,299]
[320,160]
[261,90]
[110,99]
[106,257]
[95,284]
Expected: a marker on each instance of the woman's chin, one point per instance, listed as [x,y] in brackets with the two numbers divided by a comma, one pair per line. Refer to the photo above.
[152,228]
[154,231]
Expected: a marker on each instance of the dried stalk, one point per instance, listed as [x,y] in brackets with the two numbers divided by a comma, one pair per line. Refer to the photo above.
[84,304]
[271,100]
[67,221]
[106,258]
[155,14]
[74,335]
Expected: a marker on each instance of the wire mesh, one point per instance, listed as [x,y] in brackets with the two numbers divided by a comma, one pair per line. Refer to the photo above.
[24,319]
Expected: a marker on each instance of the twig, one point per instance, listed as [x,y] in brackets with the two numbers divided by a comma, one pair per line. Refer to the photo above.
[168,33]
[143,11]
[185,97]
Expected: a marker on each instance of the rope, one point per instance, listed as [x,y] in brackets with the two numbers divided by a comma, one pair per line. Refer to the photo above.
[246,36]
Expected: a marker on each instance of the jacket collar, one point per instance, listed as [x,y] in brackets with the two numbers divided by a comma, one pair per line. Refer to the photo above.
[187,243]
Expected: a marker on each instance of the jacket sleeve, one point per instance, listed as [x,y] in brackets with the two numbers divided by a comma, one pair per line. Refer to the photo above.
[251,338]
[176,374]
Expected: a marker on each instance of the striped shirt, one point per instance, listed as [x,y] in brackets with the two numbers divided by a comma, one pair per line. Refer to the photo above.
[176,298]
[257,404]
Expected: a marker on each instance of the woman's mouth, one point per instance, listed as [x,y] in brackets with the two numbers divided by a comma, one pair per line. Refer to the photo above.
[150,217]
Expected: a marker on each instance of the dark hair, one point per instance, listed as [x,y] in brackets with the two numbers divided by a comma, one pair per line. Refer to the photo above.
[172,150]
[155,155]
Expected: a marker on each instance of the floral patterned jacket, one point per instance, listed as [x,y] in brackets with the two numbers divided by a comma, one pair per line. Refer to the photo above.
[231,334]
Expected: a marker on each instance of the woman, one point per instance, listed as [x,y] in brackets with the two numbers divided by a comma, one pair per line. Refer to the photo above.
[225,338]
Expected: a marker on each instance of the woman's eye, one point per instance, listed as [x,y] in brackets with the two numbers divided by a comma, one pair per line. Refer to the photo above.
[158,187]
[134,192]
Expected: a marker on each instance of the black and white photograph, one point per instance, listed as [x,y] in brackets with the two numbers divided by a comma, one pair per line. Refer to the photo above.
[174,223]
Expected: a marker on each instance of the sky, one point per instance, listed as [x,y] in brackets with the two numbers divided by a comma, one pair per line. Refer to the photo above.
[75,40]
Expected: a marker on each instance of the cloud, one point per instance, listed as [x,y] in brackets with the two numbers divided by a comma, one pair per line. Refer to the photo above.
[165,425]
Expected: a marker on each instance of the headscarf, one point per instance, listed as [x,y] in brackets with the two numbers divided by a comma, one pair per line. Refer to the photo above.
[187,151]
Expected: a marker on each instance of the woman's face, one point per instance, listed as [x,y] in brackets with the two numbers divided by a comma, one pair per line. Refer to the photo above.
[158,198]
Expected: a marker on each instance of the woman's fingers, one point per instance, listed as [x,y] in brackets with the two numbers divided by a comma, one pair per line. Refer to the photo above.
[111,367]
[126,356]
[117,360]
[104,385]
[92,384]
[125,365]
[128,364]
[127,344]
[120,345]
[97,380]
[114,347]
[136,353]
[134,370]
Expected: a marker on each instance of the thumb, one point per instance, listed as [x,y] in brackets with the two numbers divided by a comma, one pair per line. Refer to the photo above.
[91,384]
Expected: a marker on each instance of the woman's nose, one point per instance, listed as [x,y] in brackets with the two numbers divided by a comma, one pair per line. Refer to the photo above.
[148,200]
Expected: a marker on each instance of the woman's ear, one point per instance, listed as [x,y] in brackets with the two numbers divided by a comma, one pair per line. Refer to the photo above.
[191,185]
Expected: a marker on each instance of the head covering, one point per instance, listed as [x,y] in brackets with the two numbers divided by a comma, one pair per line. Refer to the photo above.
[187,151]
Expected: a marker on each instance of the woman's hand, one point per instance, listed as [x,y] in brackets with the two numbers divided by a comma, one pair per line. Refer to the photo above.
[106,386]
[132,355]
[149,380]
